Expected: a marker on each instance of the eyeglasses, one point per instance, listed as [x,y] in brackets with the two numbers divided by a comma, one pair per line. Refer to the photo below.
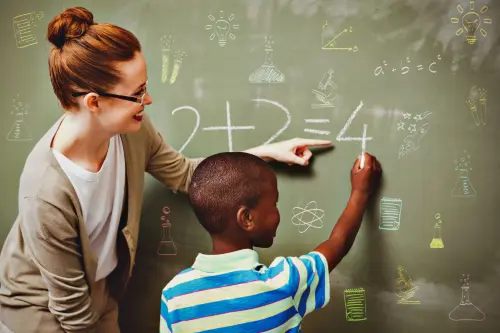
[139,100]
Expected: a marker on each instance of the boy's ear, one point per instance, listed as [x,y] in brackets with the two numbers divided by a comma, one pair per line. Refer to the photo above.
[245,219]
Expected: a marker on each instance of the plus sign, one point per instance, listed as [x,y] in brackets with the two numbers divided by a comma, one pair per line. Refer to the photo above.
[229,128]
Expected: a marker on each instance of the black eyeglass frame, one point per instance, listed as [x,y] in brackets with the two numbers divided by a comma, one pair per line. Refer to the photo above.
[139,100]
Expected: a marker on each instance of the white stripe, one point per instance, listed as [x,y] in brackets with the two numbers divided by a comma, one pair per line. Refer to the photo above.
[185,277]
[223,293]
[311,300]
[291,323]
[315,131]
[317,121]
[163,299]
[163,326]
[302,280]
[233,318]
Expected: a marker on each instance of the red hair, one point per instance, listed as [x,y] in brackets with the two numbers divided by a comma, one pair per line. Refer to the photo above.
[85,54]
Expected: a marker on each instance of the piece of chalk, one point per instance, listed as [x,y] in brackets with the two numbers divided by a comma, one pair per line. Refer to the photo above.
[363,147]
[362,163]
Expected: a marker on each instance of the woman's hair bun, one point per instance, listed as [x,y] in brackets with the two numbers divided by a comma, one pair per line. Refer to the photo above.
[70,24]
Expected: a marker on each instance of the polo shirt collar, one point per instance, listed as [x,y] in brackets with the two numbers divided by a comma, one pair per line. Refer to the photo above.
[217,263]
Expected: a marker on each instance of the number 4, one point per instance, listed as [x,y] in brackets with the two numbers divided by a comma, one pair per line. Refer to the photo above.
[363,139]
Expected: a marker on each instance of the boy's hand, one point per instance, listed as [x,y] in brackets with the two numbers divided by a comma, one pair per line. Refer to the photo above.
[365,180]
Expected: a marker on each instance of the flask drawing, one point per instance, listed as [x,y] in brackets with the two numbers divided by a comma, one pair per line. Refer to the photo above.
[167,246]
[465,310]
[463,186]
[437,241]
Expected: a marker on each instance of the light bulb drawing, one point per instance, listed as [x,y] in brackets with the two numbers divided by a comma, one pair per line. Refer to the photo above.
[463,186]
[471,22]
[19,131]
[437,241]
[405,288]
[331,43]
[222,28]
[267,73]
[465,310]
[167,246]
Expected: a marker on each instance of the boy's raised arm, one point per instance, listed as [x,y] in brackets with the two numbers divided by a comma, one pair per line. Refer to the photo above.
[363,182]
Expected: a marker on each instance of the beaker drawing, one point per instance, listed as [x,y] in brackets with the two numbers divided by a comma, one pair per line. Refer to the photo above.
[437,241]
[465,310]
[390,213]
[267,73]
[167,246]
[463,186]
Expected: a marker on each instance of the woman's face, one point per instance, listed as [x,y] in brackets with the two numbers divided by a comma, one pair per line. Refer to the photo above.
[118,116]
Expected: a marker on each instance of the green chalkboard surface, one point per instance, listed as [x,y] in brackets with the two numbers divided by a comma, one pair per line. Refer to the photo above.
[416,81]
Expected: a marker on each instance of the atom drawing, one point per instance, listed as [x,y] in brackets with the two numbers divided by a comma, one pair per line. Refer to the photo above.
[308,217]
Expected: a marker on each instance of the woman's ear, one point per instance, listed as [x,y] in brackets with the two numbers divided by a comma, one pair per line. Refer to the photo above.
[245,219]
[91,102]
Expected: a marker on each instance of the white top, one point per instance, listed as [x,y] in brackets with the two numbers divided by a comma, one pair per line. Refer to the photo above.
[101,197]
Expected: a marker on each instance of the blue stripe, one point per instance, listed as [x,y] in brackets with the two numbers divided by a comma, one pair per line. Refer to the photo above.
[164,313]
[230,305]
[305,296]
[258,325]
[187,270]
[320,289]
[221,280]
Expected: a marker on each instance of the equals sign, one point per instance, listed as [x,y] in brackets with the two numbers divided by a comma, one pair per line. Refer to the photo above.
[420,67]
[316,121]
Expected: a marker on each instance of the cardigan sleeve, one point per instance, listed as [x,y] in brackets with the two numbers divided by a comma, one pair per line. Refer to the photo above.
[166,164]
[52,241]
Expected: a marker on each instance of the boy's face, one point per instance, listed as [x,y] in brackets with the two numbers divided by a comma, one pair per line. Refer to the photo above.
[266,216]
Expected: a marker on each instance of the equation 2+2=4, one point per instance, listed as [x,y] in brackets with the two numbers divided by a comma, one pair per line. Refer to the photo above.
[230,128]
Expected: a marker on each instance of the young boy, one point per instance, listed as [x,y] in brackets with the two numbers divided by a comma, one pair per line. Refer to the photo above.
[234,196]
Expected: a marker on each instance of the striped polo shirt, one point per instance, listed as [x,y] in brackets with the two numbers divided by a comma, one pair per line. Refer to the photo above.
[234,293]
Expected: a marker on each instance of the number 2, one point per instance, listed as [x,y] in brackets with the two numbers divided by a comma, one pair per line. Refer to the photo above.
[195,127]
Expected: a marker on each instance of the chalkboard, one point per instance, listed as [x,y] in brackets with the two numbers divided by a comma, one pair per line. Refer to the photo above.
[414,81]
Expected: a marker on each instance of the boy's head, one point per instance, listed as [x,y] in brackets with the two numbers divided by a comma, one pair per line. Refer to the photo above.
[235,195]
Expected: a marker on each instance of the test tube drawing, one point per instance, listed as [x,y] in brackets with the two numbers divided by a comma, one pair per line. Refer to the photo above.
[355,304]
[178,57]
[22,29]
[19,131]
[167,246]
[390,213]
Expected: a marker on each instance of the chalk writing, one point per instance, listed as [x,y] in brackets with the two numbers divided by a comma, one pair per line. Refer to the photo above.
[465,310]
[267,73]
[23,25]
[308,217]
[222,28]
[405,68]
[195,128]
[471,22]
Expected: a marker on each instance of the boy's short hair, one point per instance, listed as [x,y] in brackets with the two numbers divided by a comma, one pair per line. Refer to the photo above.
[223,182]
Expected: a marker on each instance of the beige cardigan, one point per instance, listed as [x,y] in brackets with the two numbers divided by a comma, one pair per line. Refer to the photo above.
[47,268]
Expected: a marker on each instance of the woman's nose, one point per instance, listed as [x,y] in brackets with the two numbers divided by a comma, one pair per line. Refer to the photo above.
[148,99]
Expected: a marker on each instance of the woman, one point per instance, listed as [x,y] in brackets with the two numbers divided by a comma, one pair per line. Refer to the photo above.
[71,250]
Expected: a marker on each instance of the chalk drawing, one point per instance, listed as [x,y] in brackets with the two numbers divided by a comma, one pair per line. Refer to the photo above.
[167,246]
[282,108]
[331,43]
[405,68]
[222,28]
[405,289]
[416,132]
[316,131]
[463,186]
[465,310]
[355,304]
[166,43]
[477,96]
[308,217]
[390,213]
[437,241]
[229,128]
[471,21]
[325,93]
[267,73]
[19,131]
[23,25]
